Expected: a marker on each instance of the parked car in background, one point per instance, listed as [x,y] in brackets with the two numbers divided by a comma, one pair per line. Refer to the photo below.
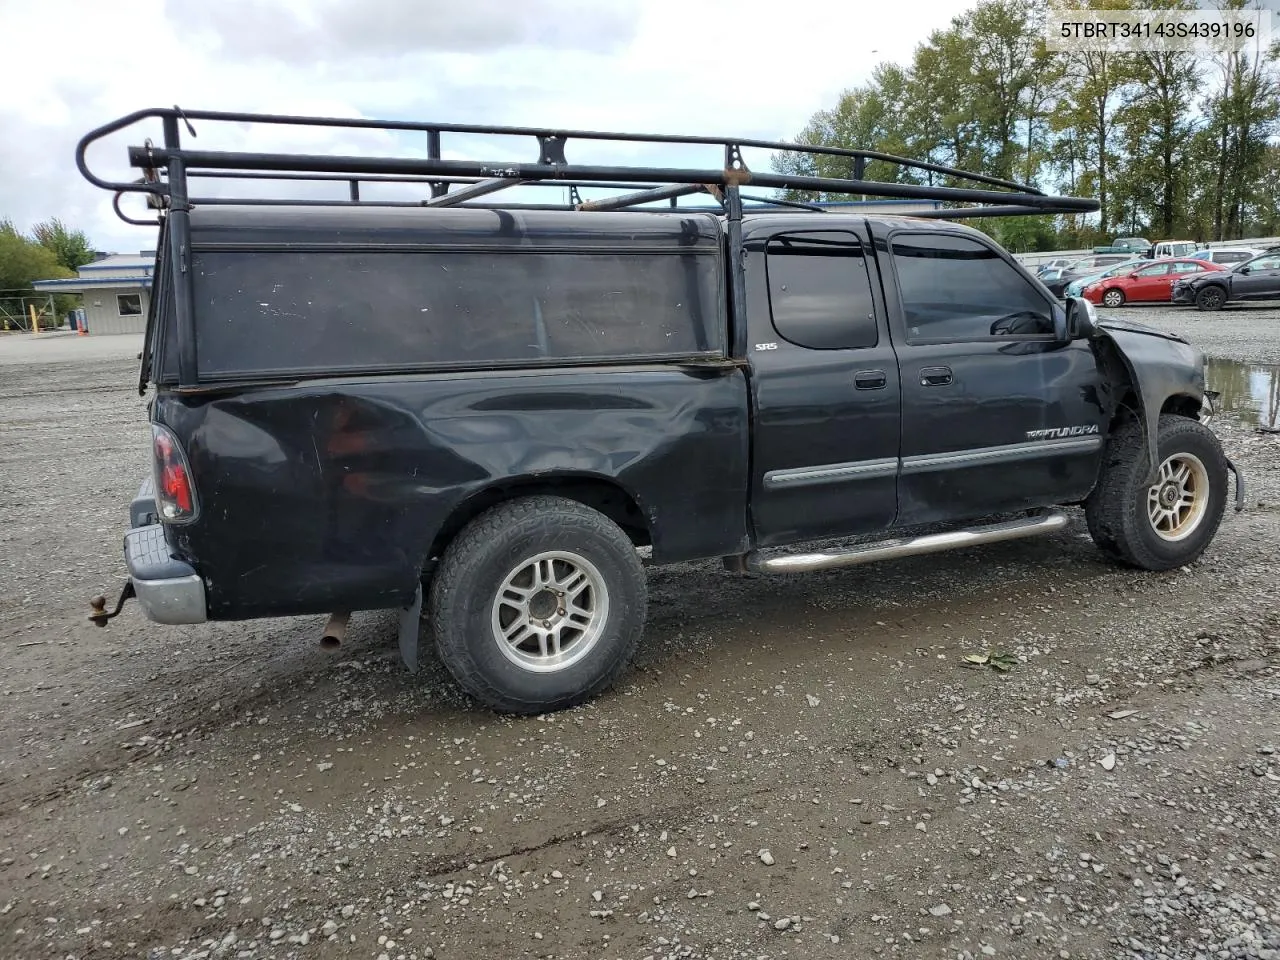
[1226,255]
[1256,279]
[1058,264]
[1152,283]
[1086,266]
[1075,287]
[1173,248]
[1134,246]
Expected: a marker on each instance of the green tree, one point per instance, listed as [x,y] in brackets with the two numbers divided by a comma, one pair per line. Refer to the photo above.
[1008,60]
[1131,130]
[1155,125]
[22,261]
[71,247]
[1268,207]
[943,109]
[867,118]
[1093,82]
[976,96]
[1244,112]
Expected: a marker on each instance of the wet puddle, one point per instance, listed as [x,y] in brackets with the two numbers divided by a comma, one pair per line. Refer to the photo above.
[1250,391]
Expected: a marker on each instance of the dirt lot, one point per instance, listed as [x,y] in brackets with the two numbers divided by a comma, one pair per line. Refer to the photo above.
[794,767]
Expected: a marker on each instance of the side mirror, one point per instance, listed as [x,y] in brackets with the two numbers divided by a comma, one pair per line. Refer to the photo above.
[1081,320]
[1244,270]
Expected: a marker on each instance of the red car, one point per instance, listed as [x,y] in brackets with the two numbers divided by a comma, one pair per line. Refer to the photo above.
[1152,283]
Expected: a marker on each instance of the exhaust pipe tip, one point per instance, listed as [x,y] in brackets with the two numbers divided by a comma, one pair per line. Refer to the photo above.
[335,631]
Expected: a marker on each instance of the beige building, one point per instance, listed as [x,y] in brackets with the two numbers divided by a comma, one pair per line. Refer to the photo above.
[116,291]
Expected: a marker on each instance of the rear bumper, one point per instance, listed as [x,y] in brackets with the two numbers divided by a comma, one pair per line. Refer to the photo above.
[169,590]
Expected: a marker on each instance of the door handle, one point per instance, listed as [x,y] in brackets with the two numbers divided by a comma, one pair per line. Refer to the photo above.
[935,376]
[870,380]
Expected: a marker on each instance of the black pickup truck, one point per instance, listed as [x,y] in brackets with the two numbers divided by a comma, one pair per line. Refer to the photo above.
[479,413]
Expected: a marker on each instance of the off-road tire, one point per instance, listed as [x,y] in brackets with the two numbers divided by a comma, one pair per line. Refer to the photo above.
[473,570]
[1113,298]
[1211,298]
[1117,509]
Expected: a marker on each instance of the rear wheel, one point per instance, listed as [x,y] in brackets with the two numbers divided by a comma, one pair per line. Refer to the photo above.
[1211,298]
[538,604]
[1113,298]
[1168,523]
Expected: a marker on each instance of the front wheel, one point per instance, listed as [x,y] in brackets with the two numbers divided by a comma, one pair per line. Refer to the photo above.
[1168,523]
[1113,298]
[1211,298]
[538,604]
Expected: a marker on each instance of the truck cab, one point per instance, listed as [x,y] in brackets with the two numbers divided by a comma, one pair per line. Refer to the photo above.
[964,401]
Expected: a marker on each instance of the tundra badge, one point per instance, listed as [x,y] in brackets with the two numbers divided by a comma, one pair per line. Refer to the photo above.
[1055,433]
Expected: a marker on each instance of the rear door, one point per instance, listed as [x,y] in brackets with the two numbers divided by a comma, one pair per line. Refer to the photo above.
[825,382]
[996,414]
[1149,283]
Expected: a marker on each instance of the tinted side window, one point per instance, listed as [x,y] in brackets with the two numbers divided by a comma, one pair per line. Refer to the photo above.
[955,288]
[820,291]
[286,312]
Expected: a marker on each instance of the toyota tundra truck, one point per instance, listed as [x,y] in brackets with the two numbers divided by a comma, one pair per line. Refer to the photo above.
[487,411]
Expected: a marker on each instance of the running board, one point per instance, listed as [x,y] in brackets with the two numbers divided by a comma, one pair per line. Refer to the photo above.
[892,549]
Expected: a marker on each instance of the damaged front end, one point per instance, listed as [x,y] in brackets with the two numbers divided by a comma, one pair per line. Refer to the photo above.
[1151,372]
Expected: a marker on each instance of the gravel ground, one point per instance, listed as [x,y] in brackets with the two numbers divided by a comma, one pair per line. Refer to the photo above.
[795,767]
[1247,333]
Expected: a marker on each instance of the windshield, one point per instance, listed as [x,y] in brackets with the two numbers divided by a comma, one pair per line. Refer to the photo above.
[1120,268]
[1112,271]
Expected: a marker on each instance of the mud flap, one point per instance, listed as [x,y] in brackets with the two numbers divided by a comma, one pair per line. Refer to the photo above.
[410,622]
[1240,494]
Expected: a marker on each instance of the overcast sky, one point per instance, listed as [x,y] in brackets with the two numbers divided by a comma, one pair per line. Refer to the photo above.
[713,67]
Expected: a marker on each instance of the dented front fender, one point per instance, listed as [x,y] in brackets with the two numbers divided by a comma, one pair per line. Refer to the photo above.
[1159,366]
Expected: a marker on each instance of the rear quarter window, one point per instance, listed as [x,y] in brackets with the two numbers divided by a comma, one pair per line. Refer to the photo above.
[820,290]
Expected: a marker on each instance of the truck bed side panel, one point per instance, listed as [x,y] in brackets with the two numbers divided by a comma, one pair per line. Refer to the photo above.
[327,494]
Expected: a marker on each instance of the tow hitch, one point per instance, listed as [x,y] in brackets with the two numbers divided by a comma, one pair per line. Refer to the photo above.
[99,605]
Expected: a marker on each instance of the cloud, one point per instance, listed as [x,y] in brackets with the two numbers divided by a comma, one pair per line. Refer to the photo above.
[716,67]
[304,33]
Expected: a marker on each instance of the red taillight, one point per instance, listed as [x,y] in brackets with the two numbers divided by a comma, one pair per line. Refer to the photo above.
[175,493]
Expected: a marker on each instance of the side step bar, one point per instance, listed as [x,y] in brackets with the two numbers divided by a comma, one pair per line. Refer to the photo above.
[755,562]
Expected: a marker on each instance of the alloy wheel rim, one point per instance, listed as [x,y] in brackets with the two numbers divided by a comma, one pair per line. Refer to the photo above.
[1178,500]
[550,611]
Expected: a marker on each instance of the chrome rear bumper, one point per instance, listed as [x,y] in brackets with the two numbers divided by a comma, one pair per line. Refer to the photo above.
[168,589]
